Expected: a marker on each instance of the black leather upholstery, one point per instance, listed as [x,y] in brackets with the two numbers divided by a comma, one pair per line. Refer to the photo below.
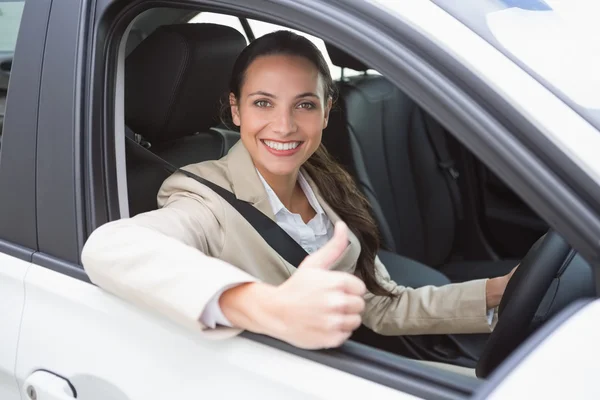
[344,60]
[176,78]
[174,83]
[409,272]
[378,133]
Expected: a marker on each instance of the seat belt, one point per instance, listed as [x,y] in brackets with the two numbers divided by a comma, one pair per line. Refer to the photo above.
[437,140]
[268,229]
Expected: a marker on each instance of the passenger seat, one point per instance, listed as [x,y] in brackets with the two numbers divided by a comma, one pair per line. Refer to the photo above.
[175,81]
[380,135]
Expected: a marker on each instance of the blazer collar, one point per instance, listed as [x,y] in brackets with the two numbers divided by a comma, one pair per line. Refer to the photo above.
[247,187]
[245,182]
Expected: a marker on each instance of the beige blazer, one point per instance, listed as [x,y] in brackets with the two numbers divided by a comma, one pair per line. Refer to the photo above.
[175,259]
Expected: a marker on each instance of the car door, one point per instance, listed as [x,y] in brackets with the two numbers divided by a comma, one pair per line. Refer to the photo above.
[507,223]
[77,341]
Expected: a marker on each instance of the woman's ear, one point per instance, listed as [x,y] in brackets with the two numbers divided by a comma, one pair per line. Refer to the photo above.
[327,112]
[235,110]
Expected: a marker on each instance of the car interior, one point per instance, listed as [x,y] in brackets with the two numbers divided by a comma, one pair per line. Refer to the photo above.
[392,148]
[443,217]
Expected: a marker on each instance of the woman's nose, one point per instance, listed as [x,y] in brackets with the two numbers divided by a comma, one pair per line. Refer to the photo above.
[284,123]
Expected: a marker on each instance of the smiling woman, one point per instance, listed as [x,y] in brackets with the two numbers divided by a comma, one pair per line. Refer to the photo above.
[281,94]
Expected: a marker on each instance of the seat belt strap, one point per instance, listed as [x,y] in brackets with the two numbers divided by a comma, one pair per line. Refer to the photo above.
[437,140]
[269,230]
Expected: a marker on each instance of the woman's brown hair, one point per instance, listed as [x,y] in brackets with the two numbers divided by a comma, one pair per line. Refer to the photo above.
[335,185]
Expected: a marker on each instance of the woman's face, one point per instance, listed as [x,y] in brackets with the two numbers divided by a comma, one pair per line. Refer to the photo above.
[281,113]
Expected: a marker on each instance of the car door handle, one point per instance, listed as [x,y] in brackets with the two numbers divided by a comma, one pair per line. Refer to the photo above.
[44,385]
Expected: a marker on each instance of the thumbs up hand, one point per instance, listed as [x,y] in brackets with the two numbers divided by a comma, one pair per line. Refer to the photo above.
[316,307]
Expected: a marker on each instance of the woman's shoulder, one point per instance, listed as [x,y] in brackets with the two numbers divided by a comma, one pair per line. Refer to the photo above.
[214,171]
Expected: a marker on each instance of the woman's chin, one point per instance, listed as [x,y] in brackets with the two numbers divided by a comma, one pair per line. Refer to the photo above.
[280,170]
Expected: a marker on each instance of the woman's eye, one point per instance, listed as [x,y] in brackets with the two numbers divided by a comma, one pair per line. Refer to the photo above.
[307,106]
[262,103]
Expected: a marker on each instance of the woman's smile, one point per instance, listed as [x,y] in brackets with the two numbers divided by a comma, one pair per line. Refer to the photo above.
[279,148]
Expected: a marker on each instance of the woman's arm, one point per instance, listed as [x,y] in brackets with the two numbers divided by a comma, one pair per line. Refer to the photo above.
[453,308]
[157,260]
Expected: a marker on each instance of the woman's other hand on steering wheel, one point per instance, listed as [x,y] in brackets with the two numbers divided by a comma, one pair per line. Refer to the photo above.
[495,287]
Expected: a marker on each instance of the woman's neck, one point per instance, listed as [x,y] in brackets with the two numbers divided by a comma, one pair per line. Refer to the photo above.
[284,186]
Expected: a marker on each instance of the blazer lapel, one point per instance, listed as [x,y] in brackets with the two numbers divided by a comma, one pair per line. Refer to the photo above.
[245,182]
[247,186]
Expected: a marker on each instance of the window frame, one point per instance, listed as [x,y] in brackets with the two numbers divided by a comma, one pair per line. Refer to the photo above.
[18,217]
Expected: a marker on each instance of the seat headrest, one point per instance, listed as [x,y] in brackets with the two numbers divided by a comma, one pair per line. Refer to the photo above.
[344,60]
[175,79]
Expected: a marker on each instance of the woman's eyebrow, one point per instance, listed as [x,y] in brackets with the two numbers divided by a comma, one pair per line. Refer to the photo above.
[307,94]
[261,93]
[267,94]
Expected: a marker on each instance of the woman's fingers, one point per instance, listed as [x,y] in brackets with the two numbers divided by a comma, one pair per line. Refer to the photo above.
[327,255]
[346,304]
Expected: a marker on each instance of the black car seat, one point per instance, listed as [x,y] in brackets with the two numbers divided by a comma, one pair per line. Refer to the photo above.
[380,135]
[175,81]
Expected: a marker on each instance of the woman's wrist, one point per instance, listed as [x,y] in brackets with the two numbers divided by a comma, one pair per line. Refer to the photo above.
[251,306]
[494,290]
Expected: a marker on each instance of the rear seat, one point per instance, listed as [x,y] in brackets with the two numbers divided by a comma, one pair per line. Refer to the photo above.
[174,83]
[382,137]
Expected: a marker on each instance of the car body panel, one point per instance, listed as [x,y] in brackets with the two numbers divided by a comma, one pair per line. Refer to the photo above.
[12,300]
[107,348]
[563,366]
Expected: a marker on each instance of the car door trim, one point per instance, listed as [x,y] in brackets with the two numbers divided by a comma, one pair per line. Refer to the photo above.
[60,266]
[14,250]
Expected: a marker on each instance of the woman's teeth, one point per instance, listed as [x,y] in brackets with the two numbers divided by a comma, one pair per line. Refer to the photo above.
[281,146]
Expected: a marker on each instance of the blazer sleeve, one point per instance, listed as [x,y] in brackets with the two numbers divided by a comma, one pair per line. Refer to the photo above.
[449,309]
[158,260]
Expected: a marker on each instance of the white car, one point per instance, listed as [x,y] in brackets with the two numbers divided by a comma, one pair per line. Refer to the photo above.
[515,85]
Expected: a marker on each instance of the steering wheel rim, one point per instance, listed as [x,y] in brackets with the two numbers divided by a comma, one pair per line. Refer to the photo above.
[522,298]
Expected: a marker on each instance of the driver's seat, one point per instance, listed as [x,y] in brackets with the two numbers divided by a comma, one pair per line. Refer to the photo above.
[384,139]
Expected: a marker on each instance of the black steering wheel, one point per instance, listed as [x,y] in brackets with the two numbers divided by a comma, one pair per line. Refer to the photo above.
[544,262]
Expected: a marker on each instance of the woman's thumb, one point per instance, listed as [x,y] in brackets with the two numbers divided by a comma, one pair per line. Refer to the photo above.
[333,249]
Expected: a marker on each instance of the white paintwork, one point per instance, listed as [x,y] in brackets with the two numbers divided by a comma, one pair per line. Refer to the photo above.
[12,297]
[564,366]
[46,386]
[109,349]
[563,126]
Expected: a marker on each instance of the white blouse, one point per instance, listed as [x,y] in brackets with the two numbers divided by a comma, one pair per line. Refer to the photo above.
[311,236]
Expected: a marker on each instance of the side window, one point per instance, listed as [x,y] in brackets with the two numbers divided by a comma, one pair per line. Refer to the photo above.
[220,19]
[10,20]
[260,28]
